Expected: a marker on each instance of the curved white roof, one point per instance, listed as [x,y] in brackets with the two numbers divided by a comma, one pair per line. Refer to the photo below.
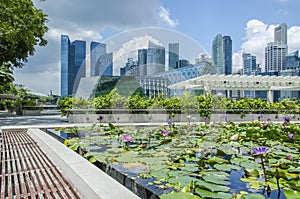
[240,82]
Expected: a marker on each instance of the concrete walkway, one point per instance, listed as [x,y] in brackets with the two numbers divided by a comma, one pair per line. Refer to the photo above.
[90,181]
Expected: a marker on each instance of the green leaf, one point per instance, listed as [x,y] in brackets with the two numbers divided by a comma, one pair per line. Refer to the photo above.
[253,196]
[291,194]
[208,194]
[227,167]
[217,179]
[212,187]
[216,160]
[178,195]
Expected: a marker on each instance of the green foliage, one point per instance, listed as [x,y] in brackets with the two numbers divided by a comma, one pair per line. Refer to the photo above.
[22,26]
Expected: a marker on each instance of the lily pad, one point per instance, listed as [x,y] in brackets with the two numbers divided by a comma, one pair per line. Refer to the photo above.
[212,187]
[208,194]
[178,195]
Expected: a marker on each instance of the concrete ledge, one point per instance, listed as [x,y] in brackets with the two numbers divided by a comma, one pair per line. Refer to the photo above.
[90,181]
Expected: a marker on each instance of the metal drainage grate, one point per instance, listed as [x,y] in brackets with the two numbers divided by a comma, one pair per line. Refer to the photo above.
[26,172]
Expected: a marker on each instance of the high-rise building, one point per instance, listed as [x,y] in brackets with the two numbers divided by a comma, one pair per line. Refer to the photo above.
[249,68]
[249,64]
[173,55]
[104,65]
[142,62]
[275,52]
[217,54]
[155,58]
[96,50]
[72,64]
[280,34]
[227,50]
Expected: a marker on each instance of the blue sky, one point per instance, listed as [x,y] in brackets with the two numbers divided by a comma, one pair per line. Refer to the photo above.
[250,23]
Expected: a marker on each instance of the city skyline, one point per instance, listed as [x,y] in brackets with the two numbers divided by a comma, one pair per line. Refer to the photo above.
[245,22]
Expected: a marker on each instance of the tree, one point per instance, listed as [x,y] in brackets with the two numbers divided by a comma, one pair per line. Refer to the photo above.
[22,26]
[6,78]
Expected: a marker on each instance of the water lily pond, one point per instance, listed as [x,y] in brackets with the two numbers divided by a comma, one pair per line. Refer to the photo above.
[258,159]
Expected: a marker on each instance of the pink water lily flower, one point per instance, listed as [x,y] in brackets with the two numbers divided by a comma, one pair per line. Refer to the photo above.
[165,133]
[127,138]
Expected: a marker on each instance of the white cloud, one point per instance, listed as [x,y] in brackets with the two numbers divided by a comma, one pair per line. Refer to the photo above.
[258,35]
[129,50]
[85,20]
[164,14]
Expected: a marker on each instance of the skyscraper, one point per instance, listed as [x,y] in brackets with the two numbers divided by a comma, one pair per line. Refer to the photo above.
[96,50]
[104,65]
[249,68]
[72,64]
[173,55]
[79,62]
[217,54]
[142,62]
[227,50]
[275,52]
[280,34]
[249,64]
[155,58]
[222,54]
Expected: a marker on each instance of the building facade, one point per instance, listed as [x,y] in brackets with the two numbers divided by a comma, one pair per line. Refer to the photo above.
[227,50]
[217,54]
[173,55]
[155,58]
[96,50]
[104,65]
[73,65]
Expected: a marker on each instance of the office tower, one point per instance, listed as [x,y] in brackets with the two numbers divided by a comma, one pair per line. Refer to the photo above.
[155,58]
[173,55]
[222,54]
[275,52]
[142,62]
[72,64]
[96,50]
[227,50]
[249,68]
[217,54]
[104,65]
[249,64]
[80,63]
[292,61]
[280,34]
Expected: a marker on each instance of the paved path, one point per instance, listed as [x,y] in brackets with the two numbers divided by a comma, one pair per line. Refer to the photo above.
[7,119]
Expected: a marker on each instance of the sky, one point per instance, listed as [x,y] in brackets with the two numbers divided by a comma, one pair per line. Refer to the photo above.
[131,23]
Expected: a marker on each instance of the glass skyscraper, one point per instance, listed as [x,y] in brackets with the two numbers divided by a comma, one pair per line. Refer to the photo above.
[142,62]
[222,54]
[79,62]
[72,64]
[104,65]
[217,54]
[173,55]
[155,58]
[227,50]
[96,50]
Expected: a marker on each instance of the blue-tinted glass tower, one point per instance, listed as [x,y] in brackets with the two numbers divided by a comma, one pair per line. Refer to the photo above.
[217,54]
[155,58]
[79,62]
[72,64]
[227,50]
[104,65]
[96,50]
[173,55]
[142,62]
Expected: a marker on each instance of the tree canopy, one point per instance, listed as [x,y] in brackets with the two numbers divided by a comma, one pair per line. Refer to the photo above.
[22,26]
